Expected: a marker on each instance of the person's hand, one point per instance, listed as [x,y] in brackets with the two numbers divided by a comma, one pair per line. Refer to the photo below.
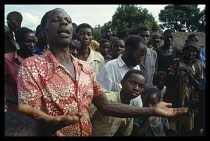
[184,70]
[52,123]
[181,73]
[162,109]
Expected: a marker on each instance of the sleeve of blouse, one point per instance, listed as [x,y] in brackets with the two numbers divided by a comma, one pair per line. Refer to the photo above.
[28,89]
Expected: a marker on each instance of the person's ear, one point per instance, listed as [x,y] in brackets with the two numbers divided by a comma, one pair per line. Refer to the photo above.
[122,81]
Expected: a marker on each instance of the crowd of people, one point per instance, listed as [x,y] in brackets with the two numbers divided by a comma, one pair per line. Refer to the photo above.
[61,82]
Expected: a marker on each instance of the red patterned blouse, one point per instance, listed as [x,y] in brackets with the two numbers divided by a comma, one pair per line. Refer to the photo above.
[47,85]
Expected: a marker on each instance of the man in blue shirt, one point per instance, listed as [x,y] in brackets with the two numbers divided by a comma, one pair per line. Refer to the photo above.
[41,45]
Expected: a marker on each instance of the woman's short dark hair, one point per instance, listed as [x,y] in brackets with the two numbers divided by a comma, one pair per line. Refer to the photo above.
[113,42]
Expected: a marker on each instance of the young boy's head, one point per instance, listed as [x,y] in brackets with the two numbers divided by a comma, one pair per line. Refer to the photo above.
[133,83]
[161,78]
[117,47]
[104,47]
[75,45]
[152,97]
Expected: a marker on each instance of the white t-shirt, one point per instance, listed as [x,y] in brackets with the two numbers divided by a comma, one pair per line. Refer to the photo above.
[162,92]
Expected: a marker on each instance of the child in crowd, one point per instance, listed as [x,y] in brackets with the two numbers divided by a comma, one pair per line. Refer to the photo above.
[152,125]
[117,48]
[161,79]
[104,49]
[75,45]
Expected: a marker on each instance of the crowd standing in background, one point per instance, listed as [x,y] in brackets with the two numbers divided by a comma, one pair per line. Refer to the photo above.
[14,20]
[95,59]
[26,40]
[65,83]
[104,49]
[184,84]
[155,41]
[117,48]
[41,45]
[149,64]
[75,45]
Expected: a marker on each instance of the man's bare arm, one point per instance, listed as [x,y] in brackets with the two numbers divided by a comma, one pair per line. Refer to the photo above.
[50,123]
[115,109]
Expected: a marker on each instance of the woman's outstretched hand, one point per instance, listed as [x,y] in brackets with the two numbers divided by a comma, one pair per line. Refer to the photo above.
[163,109]
[51,123]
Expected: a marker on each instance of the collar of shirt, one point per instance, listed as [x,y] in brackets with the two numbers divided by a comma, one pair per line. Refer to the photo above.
[17,58]
[93,56]
[120,61]
[55,64]
[107,56]
[148,52]
[37,50]
[146,61]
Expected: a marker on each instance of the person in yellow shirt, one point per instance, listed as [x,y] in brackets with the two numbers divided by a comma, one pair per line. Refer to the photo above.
[132,86]
[94,45]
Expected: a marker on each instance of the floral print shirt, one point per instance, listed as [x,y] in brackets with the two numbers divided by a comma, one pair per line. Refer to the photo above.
[47,85]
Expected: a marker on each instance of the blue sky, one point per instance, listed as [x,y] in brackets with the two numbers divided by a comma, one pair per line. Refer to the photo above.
[91,14]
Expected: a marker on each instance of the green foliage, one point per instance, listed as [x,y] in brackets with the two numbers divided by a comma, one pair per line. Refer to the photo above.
[99,31]
[183,18]
[130,16]
[127,17]
[6,28]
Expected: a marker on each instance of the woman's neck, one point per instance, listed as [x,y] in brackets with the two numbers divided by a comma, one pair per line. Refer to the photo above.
[61,54]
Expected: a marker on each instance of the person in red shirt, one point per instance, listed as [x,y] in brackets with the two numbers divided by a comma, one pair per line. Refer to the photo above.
[60,84]
[26,39]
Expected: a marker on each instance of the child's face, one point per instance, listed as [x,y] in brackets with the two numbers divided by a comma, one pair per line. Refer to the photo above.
[133,86]
[161,81]
[104,48]
[74,47]
[150,100]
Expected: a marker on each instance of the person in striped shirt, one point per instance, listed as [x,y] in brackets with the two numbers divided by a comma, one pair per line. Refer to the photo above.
[113,71]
